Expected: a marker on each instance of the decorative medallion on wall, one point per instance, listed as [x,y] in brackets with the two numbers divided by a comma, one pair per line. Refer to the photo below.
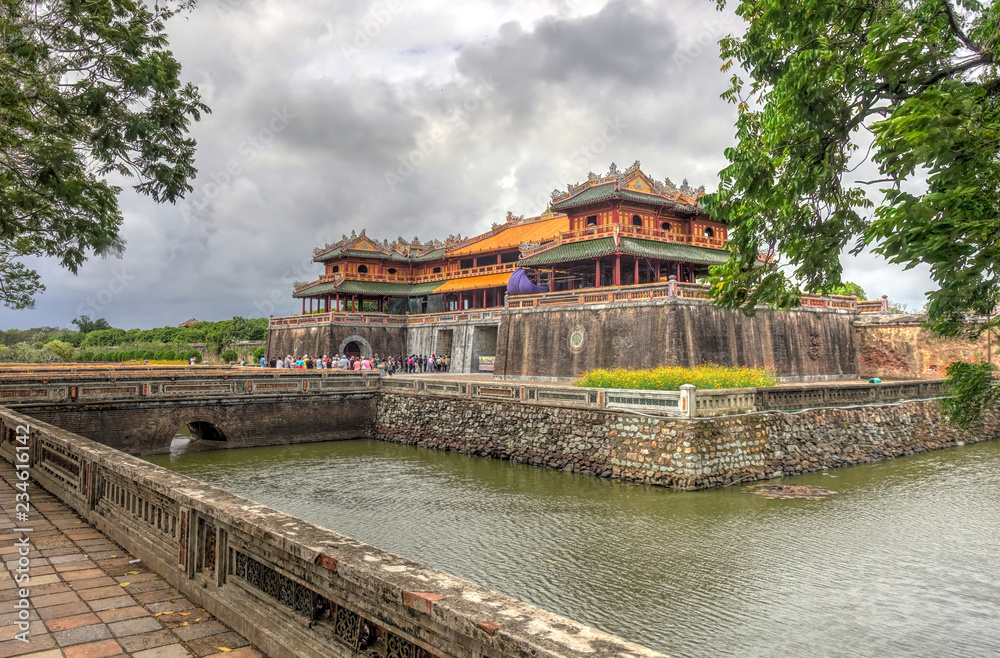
[577,340]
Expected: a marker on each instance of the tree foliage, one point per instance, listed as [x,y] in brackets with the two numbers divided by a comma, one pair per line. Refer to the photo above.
[88,90]
[909,86]
[971,389]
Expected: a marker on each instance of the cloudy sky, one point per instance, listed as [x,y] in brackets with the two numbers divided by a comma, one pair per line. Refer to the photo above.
[405,117]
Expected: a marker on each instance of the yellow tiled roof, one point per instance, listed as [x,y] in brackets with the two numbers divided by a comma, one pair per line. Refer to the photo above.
[475,282]
[512,236]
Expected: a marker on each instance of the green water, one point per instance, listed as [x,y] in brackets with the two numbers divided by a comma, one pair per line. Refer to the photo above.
[904,561]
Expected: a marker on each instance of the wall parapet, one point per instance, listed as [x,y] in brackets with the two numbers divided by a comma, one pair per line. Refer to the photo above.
[100,386]
[686,403]
[291,588]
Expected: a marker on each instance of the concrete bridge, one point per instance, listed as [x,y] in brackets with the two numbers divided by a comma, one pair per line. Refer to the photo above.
[139,410]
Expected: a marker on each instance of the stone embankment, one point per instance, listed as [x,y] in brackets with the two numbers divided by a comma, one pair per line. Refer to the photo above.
[677,453]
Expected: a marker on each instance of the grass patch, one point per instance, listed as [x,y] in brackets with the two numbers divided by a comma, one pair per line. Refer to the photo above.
[670,378]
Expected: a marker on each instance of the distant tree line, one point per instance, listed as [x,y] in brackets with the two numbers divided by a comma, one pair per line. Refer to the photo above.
[97,340]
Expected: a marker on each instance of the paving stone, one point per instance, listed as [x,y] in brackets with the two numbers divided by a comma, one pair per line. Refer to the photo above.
[83,574]
[12,648]
[114,602]
[170,606]
[67,558]
[65,610]
[66,623]
[52,653]
[101,593]
[91,633]
[90,583]
[162,594]
[143,641]
[199,630]
[133,626]
[168,651]
[243,652]
[94,650]
[54,599]
[213,643]
[121,614]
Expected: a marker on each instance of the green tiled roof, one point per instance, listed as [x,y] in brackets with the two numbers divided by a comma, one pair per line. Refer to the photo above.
[431,255]
[645,248]
[596,193]
[325,256]
[604,192]
[378,288]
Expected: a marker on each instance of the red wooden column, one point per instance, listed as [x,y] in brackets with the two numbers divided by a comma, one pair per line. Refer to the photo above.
[635,270]
[617,280]
[484,298]
[656,270]
[597,273]
[552,279]
[303,306]
[338,302]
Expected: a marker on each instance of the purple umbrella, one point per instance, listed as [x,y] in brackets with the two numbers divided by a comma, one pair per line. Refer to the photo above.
[520,284]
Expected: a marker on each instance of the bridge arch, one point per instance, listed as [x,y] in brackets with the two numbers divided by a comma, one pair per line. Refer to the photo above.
[204,430]
[363,346]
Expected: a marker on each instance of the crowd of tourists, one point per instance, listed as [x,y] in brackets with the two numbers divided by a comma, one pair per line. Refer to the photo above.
[411,364]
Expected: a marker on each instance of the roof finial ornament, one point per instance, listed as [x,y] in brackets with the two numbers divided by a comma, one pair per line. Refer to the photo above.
[634,167]
[613,170]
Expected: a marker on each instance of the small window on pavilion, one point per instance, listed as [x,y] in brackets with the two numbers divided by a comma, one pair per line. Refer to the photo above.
[335,268]
[392,270]
[709,232]
[636,220]
[466,263]
[437,270]
[592,220]
[362,269]
[665,226]
[510,257]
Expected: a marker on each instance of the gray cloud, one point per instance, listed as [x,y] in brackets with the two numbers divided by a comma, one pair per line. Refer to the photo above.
[405,118]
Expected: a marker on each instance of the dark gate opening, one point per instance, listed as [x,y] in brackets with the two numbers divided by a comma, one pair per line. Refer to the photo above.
[352,349]
[205,431]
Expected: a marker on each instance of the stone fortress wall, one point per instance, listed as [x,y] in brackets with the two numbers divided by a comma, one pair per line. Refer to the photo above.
[803,345]
[897,346]
[816,428]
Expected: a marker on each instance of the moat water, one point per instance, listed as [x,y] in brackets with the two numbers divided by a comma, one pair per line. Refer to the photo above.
[903,561]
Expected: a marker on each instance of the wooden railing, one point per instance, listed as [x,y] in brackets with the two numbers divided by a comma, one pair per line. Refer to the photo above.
[386,319]
[642,232]
[673,288]
[445,275]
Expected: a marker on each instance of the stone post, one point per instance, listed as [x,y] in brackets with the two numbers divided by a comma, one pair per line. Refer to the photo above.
[885,303]
[672,286]
[687,400]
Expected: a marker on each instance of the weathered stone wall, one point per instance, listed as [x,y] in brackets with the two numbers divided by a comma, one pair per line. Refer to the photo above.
[898,346]
[317,340]
[565,342]
[464,342]
[683,454]
[146,428]
[291,588]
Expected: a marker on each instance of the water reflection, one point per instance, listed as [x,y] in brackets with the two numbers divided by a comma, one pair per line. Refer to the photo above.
[902,562]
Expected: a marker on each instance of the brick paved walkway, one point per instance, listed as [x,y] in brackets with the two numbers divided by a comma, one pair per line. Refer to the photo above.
[88,601]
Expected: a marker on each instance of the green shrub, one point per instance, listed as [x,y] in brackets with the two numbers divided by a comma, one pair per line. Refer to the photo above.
[670,378]
[229,356]
[258,353]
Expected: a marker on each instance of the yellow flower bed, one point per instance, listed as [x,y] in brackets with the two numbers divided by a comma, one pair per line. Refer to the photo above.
[670,378]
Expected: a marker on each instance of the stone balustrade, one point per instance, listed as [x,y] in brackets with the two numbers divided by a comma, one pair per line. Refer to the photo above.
[99,385]
[291,588]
